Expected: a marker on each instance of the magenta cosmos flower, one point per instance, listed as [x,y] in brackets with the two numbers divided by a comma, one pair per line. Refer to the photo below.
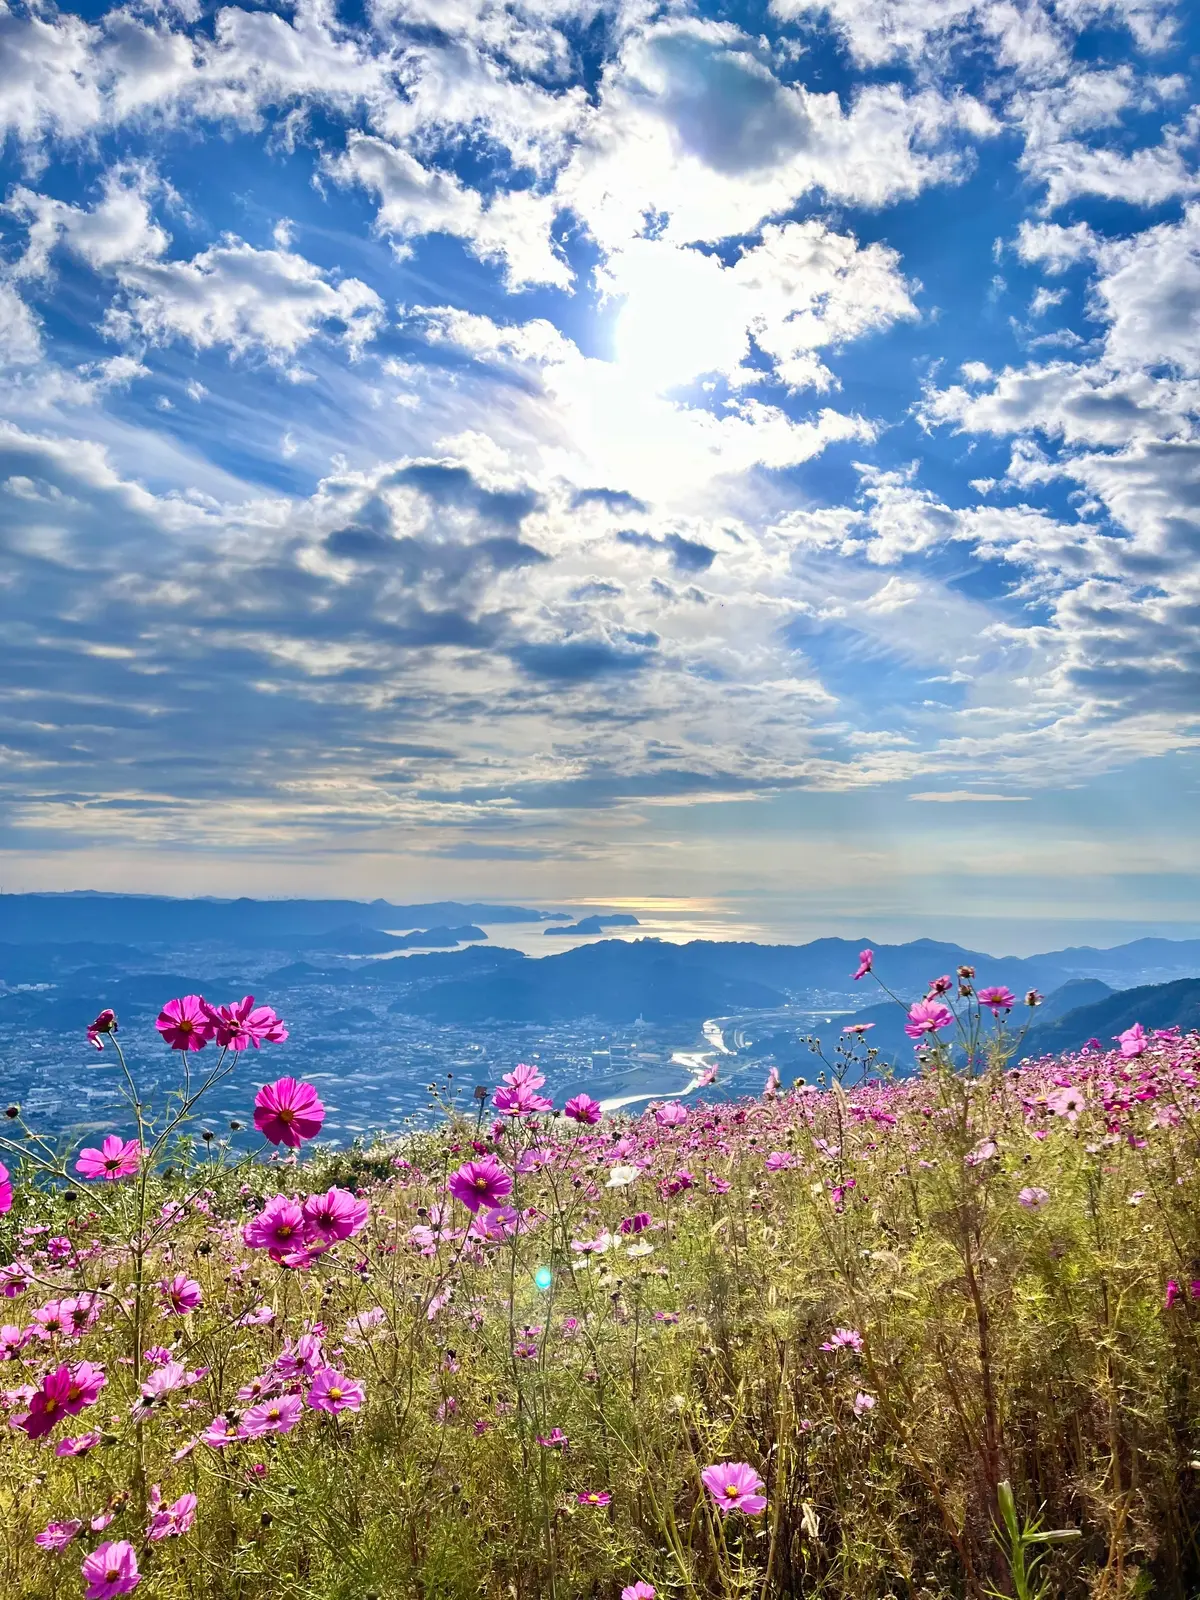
[49,1404]
[279,1227]
[638,1591]
[735,1486]
[998,998]
[184,1023]
[243,1024]
[168,1522]
[110,1569]
[5,1190]
[594,1497]
[182,1294]
[272,1416]
[106,1022]
[925,1017]
[582,1108]
[83,1389]
[480,1183]
[57,1535]
[334,1215]
[116,1158]
[288,1112]
[333,1392]
[866,959]
[1133,1041]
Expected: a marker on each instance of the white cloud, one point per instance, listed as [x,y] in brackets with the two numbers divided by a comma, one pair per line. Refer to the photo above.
[117,230]
[20,335]
[513,227]
[693,128]
[232,294]
[1054,246]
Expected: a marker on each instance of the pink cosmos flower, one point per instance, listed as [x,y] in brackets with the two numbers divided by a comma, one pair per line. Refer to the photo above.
[844,1339]
[520,1100]
[637,1223]
[524,1076]
[735,1486]
[272,1416]
[583,1109]
[1066,1103]
[279,1227]
[5,1190]
[480,1183]
[1033,1198]
[116,1158]
[168,1522]
[159,1384]
[863,1403]
[1174,1293]
[78,1446]
[858,1027]
[638,1591]
[182,1294]
[288,1112]
[672,1115]
[780,1160]
[237,1026]
[219,1433]
[926,1017]
[83,1389]
[106,1022]
[942,985]
[49,1404]
[57,1535]
[983,1151]
[1133,1041]
[335,1215]
[556,1439]
[866,959]
[998,998]
[185,1024]
[594,1497]
[332,1392]
[111,1569]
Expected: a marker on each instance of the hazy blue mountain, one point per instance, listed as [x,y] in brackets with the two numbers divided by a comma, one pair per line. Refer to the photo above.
[359,940]
[598,924]
[1158,1005]
[1068,997]
[613,981]
[138,919]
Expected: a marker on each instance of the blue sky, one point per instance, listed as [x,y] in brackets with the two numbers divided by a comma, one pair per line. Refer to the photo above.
[598,447]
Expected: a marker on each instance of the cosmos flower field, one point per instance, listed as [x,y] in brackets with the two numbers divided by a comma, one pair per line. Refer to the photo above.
[933,1337]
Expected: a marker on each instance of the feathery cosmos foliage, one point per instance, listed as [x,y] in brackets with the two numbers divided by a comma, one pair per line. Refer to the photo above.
[853,1339]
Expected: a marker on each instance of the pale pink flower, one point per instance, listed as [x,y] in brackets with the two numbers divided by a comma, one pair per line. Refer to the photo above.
[844,1339]
[1066,1103]
[671,1115]
[863,1403]
[1133,1041]
[1033,1198]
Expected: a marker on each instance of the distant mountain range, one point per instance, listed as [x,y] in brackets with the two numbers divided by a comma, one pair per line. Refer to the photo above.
[1159,1005]
[63,955]
[155,919]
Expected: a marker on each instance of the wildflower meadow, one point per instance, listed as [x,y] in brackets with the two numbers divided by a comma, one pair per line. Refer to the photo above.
[859,1337]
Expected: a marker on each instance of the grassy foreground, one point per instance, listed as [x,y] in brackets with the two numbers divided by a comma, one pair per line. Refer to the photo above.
[499,1359]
